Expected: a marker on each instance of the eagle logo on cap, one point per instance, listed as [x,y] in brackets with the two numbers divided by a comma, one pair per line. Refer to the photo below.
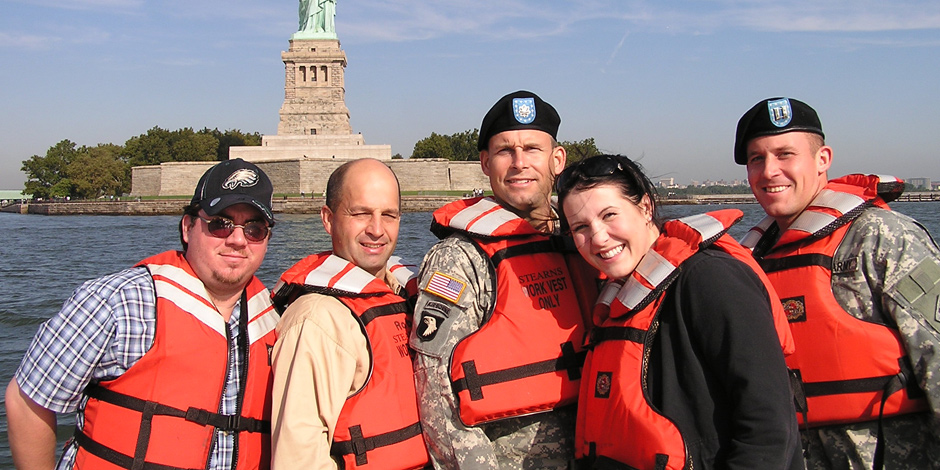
[780,112]
[523,109]
[244,177]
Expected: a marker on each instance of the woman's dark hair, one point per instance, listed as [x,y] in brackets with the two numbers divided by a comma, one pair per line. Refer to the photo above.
[615,170]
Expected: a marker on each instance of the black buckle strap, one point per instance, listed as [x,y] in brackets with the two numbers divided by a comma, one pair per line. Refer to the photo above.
[231,423]
[616,333]
[121,460]
[359,445]
[236,423]
[533,248]
[796,261]
[839,387]
[904,380]
[570,361]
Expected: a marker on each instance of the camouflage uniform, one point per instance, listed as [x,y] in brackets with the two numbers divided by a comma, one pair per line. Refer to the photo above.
[897,259]
[540,441]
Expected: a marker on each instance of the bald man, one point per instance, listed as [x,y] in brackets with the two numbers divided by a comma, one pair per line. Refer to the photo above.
[344,392]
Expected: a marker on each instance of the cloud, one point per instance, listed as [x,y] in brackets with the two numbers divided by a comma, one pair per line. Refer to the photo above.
[87,4]
[33,42]
[617,48]
[839,16]
[401,20]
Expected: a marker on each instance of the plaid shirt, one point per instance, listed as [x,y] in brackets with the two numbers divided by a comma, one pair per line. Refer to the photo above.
[102,330]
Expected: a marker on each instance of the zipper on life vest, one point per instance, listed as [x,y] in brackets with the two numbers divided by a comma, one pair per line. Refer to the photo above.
[241,350]
[644,376]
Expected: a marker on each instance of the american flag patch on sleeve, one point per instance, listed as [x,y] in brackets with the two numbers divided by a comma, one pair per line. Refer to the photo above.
[445,286]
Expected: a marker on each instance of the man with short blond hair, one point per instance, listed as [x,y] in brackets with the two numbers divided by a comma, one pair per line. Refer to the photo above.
[498,323]
[861,287]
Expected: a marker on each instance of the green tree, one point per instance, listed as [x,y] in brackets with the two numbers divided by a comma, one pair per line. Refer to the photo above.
[160,145]
[98,171]
[579,150]
[91,172]
[188,146]
[433,146]
[464,145]
[152,148]
[46,176]
[461,146]
[232,138]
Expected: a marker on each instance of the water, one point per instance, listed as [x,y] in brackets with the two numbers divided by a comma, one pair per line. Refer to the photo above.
[43,259]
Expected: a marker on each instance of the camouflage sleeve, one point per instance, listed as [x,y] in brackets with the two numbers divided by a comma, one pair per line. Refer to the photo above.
[454,295]
[888,268]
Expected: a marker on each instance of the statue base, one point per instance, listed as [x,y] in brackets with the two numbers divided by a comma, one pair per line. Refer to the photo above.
[312,35]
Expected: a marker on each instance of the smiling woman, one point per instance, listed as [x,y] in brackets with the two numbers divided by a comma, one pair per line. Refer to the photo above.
[671,344]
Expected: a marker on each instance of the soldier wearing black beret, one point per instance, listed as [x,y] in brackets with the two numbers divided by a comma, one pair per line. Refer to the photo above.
[518,420]
[861,288]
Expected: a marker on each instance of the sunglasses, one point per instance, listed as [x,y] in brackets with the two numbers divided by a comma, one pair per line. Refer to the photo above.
[222,227]
[591,167]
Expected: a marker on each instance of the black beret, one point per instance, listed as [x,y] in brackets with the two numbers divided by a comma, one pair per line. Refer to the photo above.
[519,110]
[774,116]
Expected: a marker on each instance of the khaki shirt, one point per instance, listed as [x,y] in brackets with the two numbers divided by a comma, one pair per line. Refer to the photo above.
[320,359]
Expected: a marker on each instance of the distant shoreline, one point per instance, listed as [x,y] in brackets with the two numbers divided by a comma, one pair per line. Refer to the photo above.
[311,205]
[284,205]
[287,205]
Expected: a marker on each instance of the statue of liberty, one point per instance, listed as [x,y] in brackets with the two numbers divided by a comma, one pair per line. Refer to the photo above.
[317,19]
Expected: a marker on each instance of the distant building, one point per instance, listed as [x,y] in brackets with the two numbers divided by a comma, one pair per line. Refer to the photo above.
[919,183]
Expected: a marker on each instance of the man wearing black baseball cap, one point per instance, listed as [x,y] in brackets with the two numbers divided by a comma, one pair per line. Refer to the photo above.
[861,288]
[167,362]
[498,324]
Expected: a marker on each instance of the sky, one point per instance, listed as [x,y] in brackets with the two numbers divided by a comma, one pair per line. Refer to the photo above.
[661,81]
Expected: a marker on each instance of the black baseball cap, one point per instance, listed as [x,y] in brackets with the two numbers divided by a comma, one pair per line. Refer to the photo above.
[519,110]
[774,116]
[234,182]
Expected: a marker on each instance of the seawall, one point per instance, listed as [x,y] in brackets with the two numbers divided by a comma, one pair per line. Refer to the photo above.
[294,205]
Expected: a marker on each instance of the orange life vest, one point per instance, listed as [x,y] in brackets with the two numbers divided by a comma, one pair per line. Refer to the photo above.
[527,355]
[617,425]
[378,426]
[847,366]
[164,409]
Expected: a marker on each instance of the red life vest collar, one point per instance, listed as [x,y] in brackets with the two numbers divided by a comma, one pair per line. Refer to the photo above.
[176,281]
[328,273]
[679,240]
[480,217]
[840,202]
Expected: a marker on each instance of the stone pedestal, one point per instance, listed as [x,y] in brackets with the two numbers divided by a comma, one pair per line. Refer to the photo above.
[314,118]
[314,89]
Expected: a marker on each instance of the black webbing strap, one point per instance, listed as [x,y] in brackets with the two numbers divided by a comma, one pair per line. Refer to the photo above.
[839,387]
[594,462]
[616,333]
[904,379]
[551,245]
[888,385]
[795,261]
[570,361]
[124,461]
[199,416]
[359,445]
[799,395]
[383,310]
